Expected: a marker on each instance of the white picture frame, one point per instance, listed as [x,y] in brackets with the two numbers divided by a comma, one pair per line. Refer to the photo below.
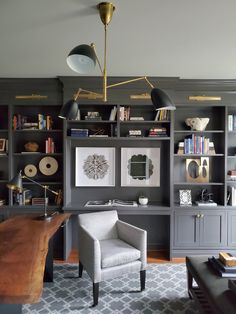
[140,167]
[94,166]
[185,197]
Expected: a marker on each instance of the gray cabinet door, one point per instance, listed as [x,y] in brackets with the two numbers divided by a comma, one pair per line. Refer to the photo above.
[212,228]
[232,229]
[186,229]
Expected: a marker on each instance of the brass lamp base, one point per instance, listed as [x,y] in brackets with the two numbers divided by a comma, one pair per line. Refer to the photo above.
[46,217]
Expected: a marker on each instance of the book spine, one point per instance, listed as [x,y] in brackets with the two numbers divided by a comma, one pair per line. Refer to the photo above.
[234,122]
[230,122]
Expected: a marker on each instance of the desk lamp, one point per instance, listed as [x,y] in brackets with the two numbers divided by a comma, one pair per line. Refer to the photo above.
[16,184]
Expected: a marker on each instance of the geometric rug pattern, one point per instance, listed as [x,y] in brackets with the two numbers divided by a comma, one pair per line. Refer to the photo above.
[166,292]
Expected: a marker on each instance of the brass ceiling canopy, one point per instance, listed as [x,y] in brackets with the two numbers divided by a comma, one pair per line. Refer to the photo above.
[106,10]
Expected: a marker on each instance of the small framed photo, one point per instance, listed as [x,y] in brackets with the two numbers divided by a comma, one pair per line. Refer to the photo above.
[2,144]
[185,197]
[95,166]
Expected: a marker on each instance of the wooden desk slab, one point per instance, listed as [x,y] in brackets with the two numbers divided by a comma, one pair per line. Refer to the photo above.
[23,250]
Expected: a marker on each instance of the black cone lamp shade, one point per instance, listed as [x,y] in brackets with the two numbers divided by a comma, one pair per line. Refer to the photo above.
[82,59]
[69,111]
[161,100]
[16,182]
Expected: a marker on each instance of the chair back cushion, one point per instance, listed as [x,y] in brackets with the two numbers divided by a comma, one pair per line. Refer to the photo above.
[102,225]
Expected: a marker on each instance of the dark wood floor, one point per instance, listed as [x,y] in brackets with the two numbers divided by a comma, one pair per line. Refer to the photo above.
[153,257]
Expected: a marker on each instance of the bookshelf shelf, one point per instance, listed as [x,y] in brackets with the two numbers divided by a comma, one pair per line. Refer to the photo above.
[198,155]
[143,122]
[37,154]
[198,132]
[37,131]
[91,122]
[198,183]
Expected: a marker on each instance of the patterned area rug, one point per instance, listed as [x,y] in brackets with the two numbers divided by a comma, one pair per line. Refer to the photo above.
[165,292]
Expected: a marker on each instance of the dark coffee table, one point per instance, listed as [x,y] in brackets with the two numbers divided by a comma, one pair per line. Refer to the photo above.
[212,293]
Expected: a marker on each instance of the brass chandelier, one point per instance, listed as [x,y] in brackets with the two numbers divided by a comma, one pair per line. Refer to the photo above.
[83,58]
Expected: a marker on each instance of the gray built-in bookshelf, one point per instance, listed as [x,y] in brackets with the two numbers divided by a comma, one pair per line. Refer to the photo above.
[179,229]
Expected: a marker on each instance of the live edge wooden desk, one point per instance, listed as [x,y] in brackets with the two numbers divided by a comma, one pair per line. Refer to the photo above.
[24,248]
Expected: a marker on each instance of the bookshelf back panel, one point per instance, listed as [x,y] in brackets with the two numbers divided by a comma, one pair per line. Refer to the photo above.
[215,115]
[80,195]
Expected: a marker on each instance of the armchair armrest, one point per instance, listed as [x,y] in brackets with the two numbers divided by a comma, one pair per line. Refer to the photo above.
[90,254]
[134,236]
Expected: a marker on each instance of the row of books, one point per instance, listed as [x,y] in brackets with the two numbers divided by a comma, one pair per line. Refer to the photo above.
[124,113]
[231,122]
[45,122]
[42,122]
[197,144]
[50,146]
[22,198]
[162,115]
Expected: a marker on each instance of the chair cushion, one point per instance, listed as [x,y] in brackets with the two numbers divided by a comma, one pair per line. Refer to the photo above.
[116,252]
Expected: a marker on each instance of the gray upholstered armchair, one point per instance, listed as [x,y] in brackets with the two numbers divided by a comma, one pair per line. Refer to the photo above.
[109,248]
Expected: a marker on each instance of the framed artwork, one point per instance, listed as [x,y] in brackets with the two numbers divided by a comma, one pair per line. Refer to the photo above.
[140,166]
[94,166]
[2,144]
[197,170]
[185,197]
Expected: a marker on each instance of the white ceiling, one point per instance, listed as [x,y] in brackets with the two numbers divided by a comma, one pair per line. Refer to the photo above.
[185,38]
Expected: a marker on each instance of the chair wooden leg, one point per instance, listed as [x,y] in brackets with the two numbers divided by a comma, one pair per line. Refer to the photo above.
[81,267]
[142,279]
[95,293]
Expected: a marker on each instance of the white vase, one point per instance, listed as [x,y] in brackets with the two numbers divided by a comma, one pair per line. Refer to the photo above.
[143,200]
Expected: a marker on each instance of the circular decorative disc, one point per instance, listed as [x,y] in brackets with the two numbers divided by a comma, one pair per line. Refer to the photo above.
[48,166]
[30,171]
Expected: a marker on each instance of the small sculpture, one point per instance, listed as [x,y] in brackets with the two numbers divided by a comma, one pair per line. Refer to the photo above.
[31,147]
[197,124]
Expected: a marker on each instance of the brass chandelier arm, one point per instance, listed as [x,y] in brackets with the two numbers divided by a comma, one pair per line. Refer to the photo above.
[131,81]
[98,61]
[80,90]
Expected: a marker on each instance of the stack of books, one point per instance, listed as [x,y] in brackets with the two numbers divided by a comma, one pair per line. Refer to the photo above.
[232,175]
[78,132]
[221,269]
[39,201]
[2,202]
[157,132]
[93,115]
[135,133]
